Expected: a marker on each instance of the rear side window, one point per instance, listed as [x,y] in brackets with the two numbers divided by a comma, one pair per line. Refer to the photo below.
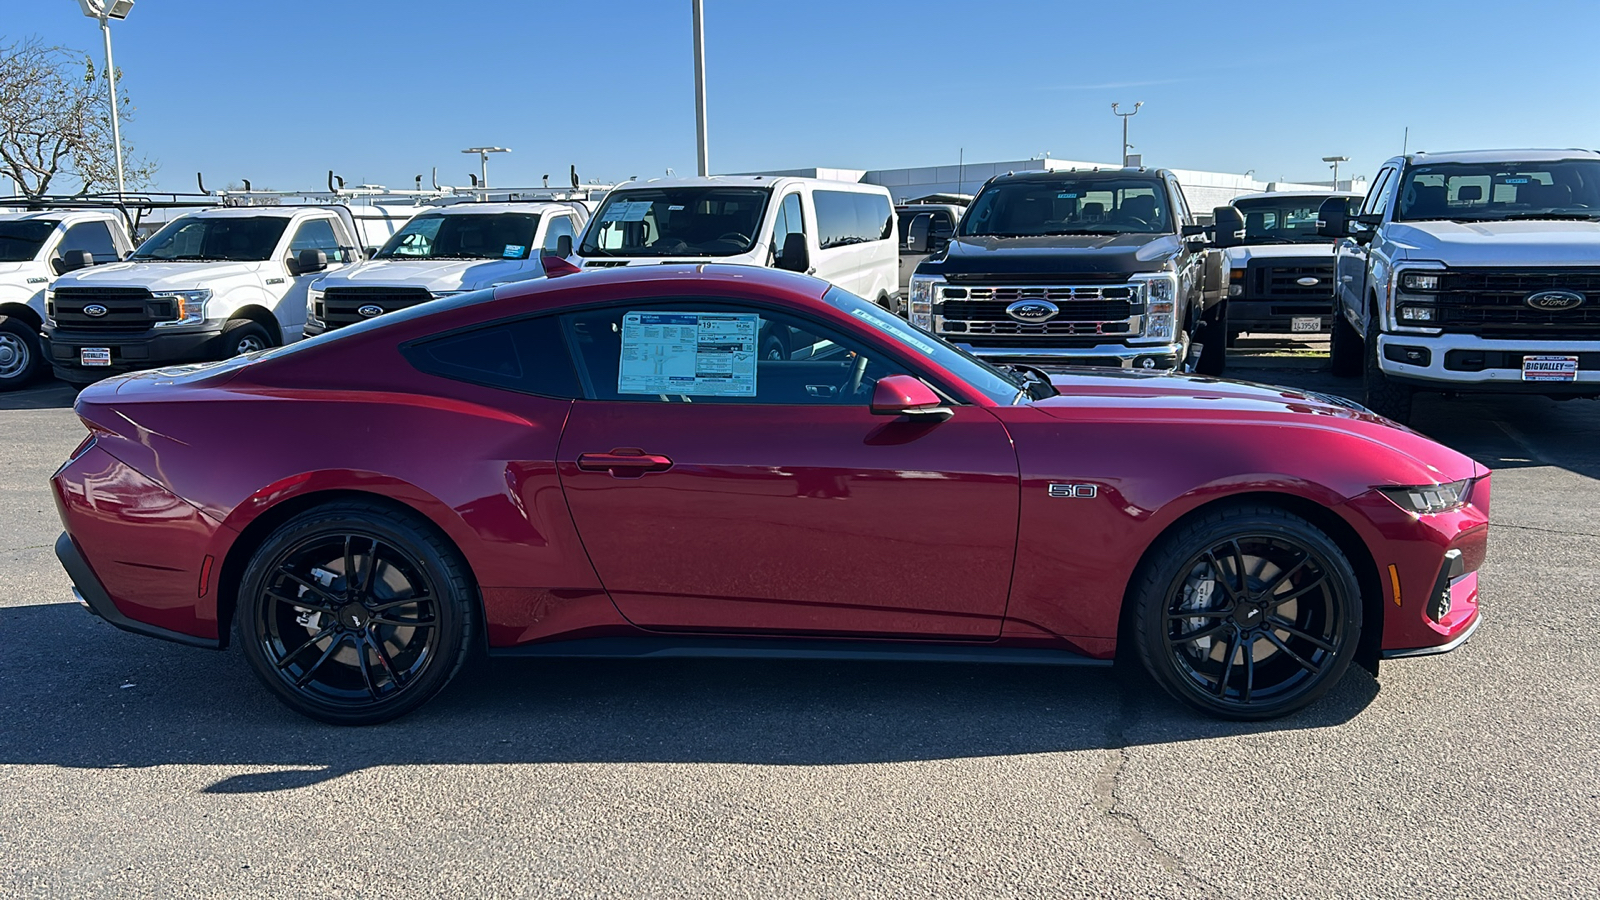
[851,217]
[94,237]
[529,356]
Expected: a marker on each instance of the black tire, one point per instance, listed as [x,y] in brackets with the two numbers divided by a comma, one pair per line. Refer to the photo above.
[242,336]
[1233,338]
[1188,599]
[773,347]
[21,356]
[1213,334]
[383,646]
[1383,396]
[1344,347]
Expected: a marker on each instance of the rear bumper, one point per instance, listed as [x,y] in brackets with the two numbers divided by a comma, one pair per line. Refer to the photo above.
[129,352]
[91,594]
[1116,356]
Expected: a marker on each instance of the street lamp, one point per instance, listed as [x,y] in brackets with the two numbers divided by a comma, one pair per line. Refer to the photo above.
[702,160]
[1335,160]
[1125,116]
[105,11]
[483,161]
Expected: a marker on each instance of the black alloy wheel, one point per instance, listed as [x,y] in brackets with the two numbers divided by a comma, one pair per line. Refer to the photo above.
[353,614]
[1248,612]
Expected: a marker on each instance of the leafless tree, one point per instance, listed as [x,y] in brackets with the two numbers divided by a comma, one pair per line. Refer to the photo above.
[55,122]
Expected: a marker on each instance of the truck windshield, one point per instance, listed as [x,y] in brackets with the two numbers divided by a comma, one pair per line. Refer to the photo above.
[677,221]
[1475,192]
[1281,220]
[464,236]
[1030,208]
[197,239]
[20,241]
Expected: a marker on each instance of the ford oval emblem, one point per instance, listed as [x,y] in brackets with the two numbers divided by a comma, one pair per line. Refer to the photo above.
[1307,281]
[95,309]
[370,310]
[1554,301]
[1033,310]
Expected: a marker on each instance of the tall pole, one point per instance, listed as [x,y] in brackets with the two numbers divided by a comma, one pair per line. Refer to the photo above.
[483,170]
[1125,116]
[701,156]
[116,127]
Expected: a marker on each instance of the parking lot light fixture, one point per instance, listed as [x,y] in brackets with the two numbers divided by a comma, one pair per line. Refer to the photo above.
[483,161]
[1125,116]
[105,11]
[1335,160]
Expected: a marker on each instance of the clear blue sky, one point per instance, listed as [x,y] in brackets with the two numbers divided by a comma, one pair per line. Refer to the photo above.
[280,91]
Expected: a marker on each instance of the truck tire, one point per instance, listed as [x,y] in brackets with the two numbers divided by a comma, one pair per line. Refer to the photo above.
[20,354]
[242,336]
[1385,397]
[1213,334]
[1344,347]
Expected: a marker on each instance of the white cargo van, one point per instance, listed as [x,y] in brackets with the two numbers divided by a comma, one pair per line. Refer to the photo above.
[839,231]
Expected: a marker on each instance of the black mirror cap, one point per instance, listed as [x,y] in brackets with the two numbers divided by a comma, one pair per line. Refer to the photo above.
[564,245]
[796,256]
[73,260]
[310,261]
[1333,218]
[919,237]
[1193,230]
[1229,225]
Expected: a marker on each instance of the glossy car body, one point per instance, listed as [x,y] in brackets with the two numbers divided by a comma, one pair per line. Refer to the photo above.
[999,529]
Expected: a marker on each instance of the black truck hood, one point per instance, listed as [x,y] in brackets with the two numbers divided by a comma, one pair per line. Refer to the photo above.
[1068,254]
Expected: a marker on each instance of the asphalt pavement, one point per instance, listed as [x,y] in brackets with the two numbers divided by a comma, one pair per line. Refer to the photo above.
[130,767]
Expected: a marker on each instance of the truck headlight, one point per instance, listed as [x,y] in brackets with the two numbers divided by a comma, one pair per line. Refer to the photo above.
[1417,281]
[1417,314]
[924,291]
[1428,499]
[188,307]
[314,306]
[1160,293]
[1235,282]
[49,308]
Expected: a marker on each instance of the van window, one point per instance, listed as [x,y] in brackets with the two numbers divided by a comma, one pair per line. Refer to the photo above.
[851,217]
[560,226]
[691,220]
[317,234]
[791,220]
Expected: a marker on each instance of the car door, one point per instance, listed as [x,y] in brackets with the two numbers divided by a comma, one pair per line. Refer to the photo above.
[323,233]
[717,492]
[1352,264]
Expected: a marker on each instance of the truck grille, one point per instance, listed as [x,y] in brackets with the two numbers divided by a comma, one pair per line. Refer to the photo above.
[1489,302]
[127,309]
[341,306]
[1280,280]
[1088,315]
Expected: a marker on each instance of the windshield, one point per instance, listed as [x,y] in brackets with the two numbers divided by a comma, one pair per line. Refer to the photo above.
[1281,220]
[677,221]
[1568,189]
[464,236]
[247,239]
[1069,206]
[20,241]
[1003,386]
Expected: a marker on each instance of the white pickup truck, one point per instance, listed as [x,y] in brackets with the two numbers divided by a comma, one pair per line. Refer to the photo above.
[1470,272]
[446,251]
[210,285]
[36,248]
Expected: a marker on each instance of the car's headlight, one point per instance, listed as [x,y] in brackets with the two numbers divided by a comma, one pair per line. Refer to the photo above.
[1160,294]
[188,307]
[924,292]
[1428,499]
[1417,281]
[313,300]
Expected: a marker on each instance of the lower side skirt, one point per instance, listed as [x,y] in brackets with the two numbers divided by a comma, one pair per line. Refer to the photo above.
[792,648]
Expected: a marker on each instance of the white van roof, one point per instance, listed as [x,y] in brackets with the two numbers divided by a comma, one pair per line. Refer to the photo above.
[752,181]
[467,209]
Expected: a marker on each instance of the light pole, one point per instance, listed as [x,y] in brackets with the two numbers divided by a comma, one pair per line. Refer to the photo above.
[483,161]
[1335,160]
[1125,116]
[106,10]
[701,156]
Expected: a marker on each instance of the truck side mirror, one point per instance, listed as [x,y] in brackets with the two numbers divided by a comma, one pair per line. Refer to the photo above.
[1333,218]
[1229,225]
[919,235]
[563,247]
[796,256]
[307,262]
[71,261]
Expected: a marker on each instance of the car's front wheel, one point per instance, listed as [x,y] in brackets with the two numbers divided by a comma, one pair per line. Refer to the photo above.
[1246,612]
[355,613]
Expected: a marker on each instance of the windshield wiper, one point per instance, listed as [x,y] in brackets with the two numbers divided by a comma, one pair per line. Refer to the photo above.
[1574,217]
[190,257]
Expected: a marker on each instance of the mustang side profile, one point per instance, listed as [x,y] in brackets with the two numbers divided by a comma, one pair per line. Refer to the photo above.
[603,464]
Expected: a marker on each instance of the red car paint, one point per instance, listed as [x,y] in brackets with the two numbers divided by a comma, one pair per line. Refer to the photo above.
[757,520]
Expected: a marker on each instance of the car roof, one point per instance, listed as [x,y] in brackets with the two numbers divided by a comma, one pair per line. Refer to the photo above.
[248,212]
[482,209]
[56,215]
[750,181]
[1108,172]
[1272,195]
[1507,156]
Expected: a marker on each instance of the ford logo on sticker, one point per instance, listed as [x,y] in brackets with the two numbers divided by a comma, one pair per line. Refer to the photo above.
[1307,281]
[370,310]
[1033,310]
[95,309]
[1554,301]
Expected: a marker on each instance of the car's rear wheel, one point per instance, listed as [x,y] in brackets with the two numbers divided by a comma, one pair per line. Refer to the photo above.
[355,613]
[1247,612]
[20,359]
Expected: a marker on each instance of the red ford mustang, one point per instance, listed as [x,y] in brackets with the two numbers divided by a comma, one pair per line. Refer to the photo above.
[726,461]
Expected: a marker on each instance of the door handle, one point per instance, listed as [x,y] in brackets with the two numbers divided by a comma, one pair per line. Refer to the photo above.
[624,462]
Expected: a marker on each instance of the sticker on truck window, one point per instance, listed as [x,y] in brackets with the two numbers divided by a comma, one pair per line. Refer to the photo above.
[626,211]
[514,251]
[689,354]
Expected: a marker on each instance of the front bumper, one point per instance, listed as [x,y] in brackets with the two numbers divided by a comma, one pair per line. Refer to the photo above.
[1115,356]
[129,351]
[1467,362]
[1276,316]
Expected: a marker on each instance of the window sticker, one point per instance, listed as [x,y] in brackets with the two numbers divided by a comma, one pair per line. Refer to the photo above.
[1516,181]
[676,207]
[898,329]
[514,251]
[1067,195]
[627,211]
[698,354]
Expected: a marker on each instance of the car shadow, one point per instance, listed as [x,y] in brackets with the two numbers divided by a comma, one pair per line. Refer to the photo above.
[81,694]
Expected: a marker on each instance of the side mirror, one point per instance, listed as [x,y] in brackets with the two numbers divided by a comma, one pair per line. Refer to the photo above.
[903,395]
[307,262]
[919,235]
[1333,218]
[563,247]
[71,261]
[796,256]
[557,266]
[1229,225]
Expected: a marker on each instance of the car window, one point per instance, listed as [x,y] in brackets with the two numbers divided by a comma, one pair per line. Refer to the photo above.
[94,237]
[559,225]
[528,355]
[1377,198]
[317,234]
[1183,202]
[790,220]
[685,351]
[1069,204]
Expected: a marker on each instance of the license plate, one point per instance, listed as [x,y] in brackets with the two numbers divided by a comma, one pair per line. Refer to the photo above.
[94,356]
[1299,324]
[1549,368]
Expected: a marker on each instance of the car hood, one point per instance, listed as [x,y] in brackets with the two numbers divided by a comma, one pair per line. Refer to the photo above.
[1528,242]
[1166,397]
[1068,254]
[174,276]
[8,269]
[1238,256]
[436,275]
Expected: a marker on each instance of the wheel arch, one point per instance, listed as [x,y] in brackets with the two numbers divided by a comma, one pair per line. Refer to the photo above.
[263,317]
[24,312]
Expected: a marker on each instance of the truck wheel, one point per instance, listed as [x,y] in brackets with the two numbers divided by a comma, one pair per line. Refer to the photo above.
[243,336]
[1213,334]
[20,356]
[1344,348]
[1383,396]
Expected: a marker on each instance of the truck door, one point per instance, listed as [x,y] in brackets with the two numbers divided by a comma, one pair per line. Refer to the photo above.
[326,234]
[1351,266]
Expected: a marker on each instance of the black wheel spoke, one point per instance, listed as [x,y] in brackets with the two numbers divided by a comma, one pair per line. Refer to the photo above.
[1222,578]
[292,654]
[350,568]
[1297,631]
[333,647]
[311,586]
[366,668]
[1227,667]
[384,607]
[402,623]
[1239,570]
[1179,640]
[383,658]
[1306,664]
[302,602]
[1297,593]
[1283,577]
[1249,668]
[372,571]
[1199,614]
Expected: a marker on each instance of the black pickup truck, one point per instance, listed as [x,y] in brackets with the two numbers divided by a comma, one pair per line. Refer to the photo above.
[1102,267]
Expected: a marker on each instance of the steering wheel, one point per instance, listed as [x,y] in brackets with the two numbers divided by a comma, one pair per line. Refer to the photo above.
[1136,220]
[858,372]
[735,237]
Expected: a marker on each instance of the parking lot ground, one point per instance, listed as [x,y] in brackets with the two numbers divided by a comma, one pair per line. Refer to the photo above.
[130,767]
